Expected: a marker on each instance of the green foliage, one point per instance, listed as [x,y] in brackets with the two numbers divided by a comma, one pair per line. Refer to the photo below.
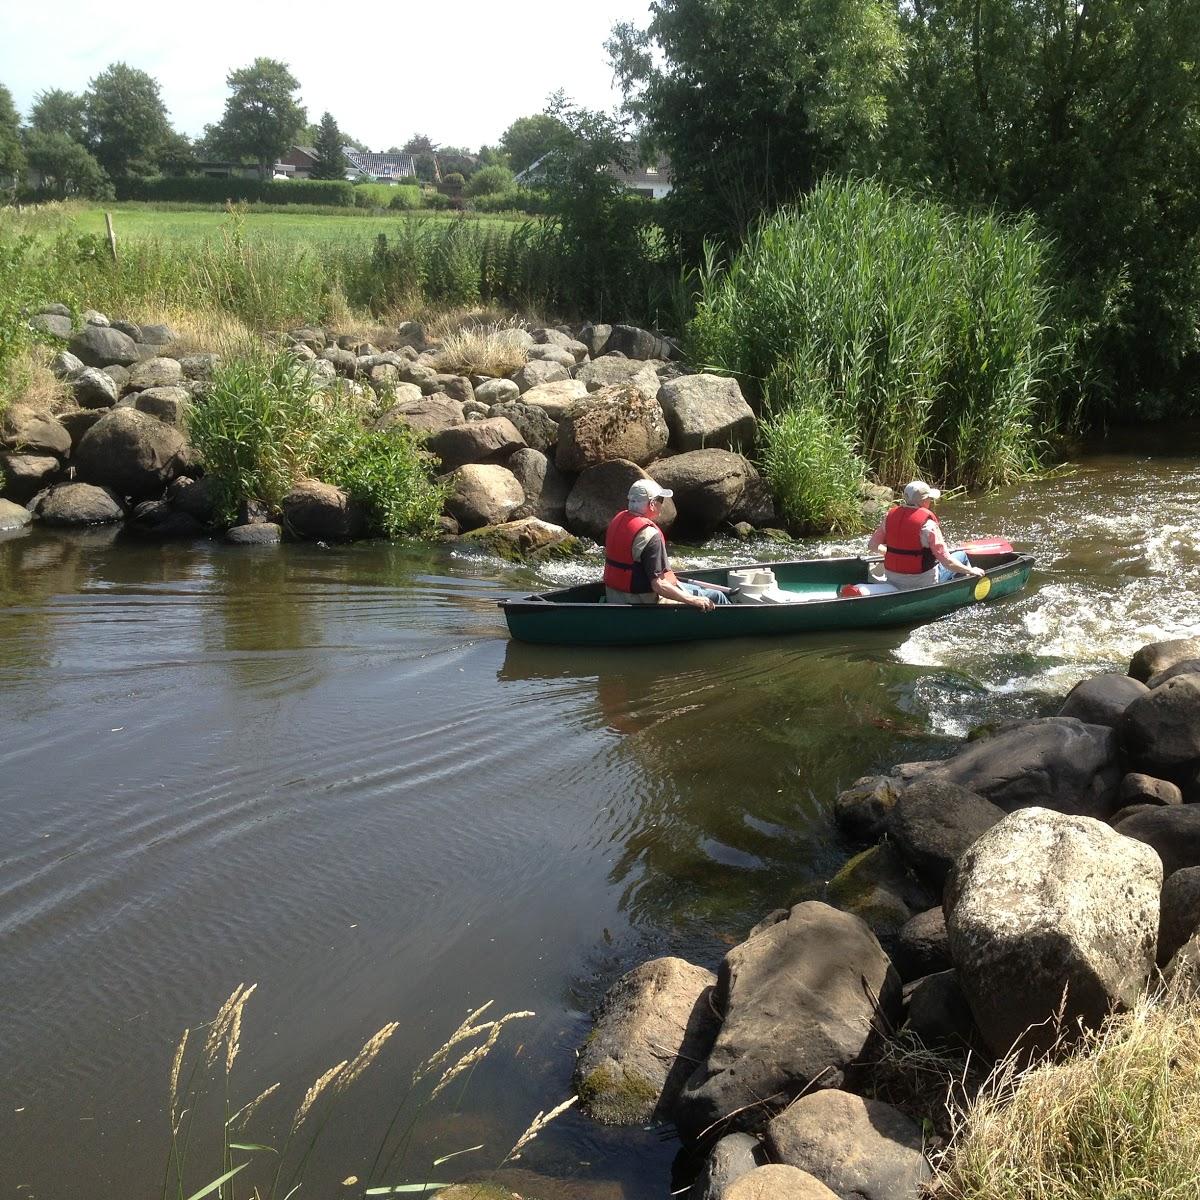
[403,199]
[488,181]
[262,116]
[24,284]
[12,155]
[67,169]
[754,100]
[529,138]
[331,161]
[57,111]
[126,121]
[265,425]
[924,335]
[203,190]
[516,200]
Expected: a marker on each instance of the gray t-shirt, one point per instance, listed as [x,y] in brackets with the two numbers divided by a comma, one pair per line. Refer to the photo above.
[650,550]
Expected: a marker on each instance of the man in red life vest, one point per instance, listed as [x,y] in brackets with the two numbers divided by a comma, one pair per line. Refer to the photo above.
[915,553]
[636,570]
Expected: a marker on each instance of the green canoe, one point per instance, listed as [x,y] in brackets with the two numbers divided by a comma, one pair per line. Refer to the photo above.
[578,616]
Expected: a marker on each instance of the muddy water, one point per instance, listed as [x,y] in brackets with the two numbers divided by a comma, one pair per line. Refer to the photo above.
[330,773]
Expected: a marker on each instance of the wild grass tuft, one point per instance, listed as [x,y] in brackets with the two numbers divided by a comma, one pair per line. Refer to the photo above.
[1116,1118]
[497,350]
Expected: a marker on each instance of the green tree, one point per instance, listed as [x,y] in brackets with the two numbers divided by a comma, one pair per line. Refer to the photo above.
[66,167]
[754,100]
[57,111]
[528,138]
[1087,114]
[176,155]
[489,180]
[12,156]
[125,120]
[331,162]
[262,114]
[423,149]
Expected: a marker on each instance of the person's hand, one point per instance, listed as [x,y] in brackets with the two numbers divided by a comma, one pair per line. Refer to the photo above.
[703,603]
[977,572]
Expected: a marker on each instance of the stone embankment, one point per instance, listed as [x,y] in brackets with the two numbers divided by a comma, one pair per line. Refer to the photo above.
[530,460]
[1040,878]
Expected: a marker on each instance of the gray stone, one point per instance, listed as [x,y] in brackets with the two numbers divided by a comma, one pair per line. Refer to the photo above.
[49,323]
[1158,656]
[620,372]
[933,822]
[496,391]
[1172,831]
[78,421]
[345,363]
[315,511]
[938,1013]
[29,430]
[707,412]
[97,346]
[159,519]
[708,487]
[157,335]
[861,810]
[655,1024]
[131,452]
[922,946]
[735,1155]
[878,886]
[600,493]
[1137,788]
[554,354]
[13,516]
[533,374]
[199,366]
[261,533]
[1044,906]
[855,1146]
[1161,730]
[169,404]
[71,504]
[55,310]
[128,328]
[425,415]
[778,1181]
[1186,666]
[91,317]
[523,538]
[800,1001]
[555,398]
[311,336]
[1179,912]
[638,343]
[1102,699]
[537,428]
[118,374]
[155,373]
[492,439]
[93,388]
[197,497]
[24,475]
[545,487]
[483,494]
[595,338]
[614,423]
[64,365]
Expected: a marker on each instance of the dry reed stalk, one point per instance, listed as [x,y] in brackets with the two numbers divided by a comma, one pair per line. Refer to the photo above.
[220,1026]
[314,1092]
[176,1066]
[535,1127]
[233,1039]
[466,1030]
[366,1056]
[243,1114]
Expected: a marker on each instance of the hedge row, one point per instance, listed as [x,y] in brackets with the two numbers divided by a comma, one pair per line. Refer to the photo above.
[203,190]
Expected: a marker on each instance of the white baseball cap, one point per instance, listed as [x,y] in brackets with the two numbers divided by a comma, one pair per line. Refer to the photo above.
[645,490]
[918,491]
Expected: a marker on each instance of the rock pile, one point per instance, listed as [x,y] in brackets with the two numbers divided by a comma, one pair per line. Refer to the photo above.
[559,440]
[1014,893]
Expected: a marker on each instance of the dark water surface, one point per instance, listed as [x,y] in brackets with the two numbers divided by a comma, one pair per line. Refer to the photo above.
[329,772]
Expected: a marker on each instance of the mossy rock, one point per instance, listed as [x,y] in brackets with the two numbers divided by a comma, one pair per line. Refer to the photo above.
[876,886]
[617,1097]
[526,540]
[481,1190]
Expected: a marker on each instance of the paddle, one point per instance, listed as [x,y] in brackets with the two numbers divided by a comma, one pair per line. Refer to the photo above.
[716,587]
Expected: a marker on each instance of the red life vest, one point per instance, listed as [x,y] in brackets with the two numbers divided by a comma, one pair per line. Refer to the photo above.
[621,572]
[902,535]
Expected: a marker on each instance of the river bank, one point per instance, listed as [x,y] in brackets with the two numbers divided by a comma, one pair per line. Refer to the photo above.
[218,763]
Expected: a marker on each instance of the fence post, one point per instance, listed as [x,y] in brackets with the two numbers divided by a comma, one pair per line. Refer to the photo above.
[112,236]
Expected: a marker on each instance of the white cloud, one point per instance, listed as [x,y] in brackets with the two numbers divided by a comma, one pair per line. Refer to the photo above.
[459,71]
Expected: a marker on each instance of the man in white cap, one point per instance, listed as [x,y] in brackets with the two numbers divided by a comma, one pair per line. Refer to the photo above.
[636,569]
[915,553]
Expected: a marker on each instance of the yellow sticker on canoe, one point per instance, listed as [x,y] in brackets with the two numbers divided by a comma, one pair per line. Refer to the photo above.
[982,587]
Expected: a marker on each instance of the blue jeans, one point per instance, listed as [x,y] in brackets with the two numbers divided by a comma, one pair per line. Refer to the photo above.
[944,575]
[694,589]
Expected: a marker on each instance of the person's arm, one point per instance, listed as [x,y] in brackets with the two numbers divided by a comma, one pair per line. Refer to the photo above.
[877,538]
[662,579]
[937,547]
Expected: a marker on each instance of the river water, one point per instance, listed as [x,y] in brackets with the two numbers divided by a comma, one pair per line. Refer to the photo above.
[329,772]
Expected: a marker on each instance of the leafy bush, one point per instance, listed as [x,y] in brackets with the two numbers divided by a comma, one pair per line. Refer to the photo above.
[925,335]
[202,189]
[488,181]
[516,199]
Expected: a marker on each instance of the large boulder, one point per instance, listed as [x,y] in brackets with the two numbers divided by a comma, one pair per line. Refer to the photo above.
[317,511]
[496,391]
[633,342]
[131,452]
[555,398]
[22,476]
[937,1012]
[595,338]
[601,492]
[54,324]
[877,886]
[483,494]
[533,423]
[855,1146]
[532,374]
[80,504]
[922,946]
[655,1024]
[1102,699]
[1161,730]
[1172,831]
[424,415]
[94,388]
[1047,912]
[934,821]
[155,373]
[1158,656]
[777,1181]
[708,487]
[77,421]
[735,1155]
[160,519]
[491,440]
[545,487]
[1185,666]
[169,404]
[196,497]
[801,1001]
[26,429]
[619,372]
[13,516]
[1179,912]
[99,345]
[707,411]
[1137,788]
[861,811]
[64,365]
[612,423]
[522,539]
[555,354]
[1053,762]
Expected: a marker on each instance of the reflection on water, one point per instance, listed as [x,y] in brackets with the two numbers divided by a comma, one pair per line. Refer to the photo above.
[329,771]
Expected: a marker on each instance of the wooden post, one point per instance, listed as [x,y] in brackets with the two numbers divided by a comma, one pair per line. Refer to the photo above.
[112,236]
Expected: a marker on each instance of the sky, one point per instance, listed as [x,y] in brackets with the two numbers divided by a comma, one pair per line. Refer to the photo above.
[458,70]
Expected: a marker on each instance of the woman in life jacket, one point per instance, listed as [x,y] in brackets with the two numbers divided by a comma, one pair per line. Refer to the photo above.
[915,553]
[636,569]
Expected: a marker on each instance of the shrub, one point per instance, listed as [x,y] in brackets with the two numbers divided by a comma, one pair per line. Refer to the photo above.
[202,189]
[489,180]
[925,335]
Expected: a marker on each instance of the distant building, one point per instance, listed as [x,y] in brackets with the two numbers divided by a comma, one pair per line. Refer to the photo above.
[382,168]
[297,163]
[652,179]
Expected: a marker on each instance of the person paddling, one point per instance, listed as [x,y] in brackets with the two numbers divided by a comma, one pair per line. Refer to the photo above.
[915,553]
[636,569]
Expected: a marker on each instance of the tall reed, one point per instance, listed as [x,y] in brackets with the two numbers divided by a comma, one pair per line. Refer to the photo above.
[925,334]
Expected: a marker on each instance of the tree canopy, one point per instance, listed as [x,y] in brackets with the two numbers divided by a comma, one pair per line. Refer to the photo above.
[331,161]
[58,111]
[262,114]
[125,120]
[66,168]
[12,156]
[529,138]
